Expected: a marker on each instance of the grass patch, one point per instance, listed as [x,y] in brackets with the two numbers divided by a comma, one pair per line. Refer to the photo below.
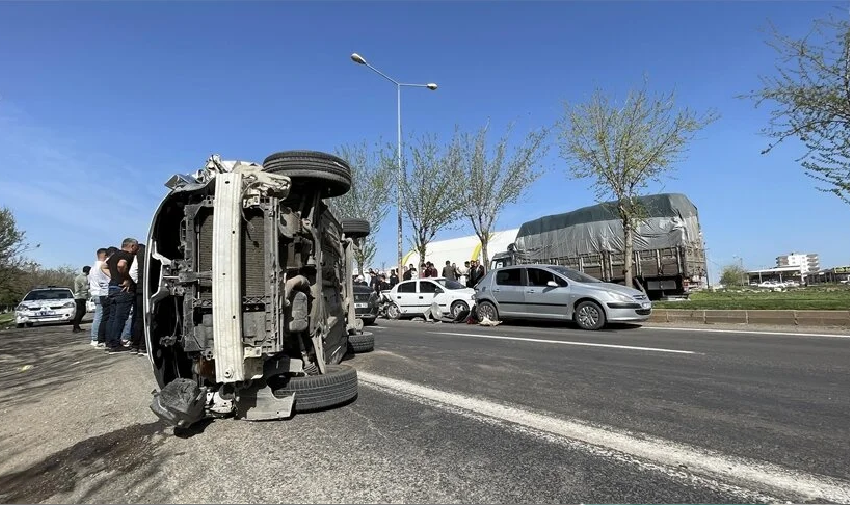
[815,298]
[7,319]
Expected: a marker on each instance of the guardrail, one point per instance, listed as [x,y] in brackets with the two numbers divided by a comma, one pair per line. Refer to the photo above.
[840,318]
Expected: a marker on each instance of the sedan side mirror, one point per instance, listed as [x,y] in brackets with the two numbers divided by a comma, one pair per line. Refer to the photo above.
[552,284]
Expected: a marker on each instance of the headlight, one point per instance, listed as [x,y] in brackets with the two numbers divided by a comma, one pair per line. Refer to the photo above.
[69,305]
[22,307]
[621,297]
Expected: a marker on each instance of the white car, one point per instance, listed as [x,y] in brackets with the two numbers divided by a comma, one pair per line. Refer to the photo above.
[46,305]
[414,297]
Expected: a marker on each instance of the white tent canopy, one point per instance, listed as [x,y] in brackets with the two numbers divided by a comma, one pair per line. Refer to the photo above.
[458,250]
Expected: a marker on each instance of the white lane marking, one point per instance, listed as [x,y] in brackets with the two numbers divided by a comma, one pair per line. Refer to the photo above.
[746,332]
[378,327]
[567,342]
[672,455]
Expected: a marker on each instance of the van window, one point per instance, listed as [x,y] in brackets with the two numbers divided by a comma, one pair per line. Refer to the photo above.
[509,277]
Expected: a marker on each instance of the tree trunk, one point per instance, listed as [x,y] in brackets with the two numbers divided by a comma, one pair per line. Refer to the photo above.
[628,251]
[422,250]
[485,258]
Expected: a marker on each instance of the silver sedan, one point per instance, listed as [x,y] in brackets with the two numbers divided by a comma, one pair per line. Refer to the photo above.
[557,292]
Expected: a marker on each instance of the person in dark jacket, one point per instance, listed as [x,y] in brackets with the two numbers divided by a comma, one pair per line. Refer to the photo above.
[137,339]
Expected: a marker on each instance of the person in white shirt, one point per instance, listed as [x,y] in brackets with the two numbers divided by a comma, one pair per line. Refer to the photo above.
[98,289]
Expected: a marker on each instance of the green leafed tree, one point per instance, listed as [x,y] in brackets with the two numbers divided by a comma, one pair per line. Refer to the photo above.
[496,176]
[431,198]
[732,275]
[810,98]
[372,187]
[12,247]
[623,147]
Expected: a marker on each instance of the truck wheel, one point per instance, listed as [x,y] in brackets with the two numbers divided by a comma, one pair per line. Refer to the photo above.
[356,228]
[459,306]
[313,392]
[590,315]
[362,343]
[312,168]
[488,310]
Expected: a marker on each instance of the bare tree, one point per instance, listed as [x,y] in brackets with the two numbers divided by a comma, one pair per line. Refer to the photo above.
[810,93]
[622,148]
[429,199]
[369,198]
[497,177]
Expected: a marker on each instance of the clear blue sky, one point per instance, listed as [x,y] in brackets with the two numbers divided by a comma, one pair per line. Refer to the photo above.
[101,102]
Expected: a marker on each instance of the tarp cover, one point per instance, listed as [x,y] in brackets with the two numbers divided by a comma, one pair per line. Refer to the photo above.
[668,220]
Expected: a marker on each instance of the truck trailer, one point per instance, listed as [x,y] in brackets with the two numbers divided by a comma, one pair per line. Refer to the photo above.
[669,252]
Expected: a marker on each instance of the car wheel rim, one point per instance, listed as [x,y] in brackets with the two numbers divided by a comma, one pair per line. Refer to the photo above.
[588,316]
[488,312]
[457,308]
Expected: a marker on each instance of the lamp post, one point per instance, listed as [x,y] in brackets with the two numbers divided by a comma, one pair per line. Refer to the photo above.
[362,61]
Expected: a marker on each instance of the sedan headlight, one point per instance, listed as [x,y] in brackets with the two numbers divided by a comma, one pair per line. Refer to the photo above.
[621,297]
[69,305]
[21,308]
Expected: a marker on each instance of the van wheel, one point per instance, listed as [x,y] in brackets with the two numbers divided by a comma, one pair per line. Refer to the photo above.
[362,343]
[590,315]
[313,392]
[488,310]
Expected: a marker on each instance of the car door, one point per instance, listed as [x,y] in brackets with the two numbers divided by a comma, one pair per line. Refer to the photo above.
[406,297]
[541,298]
[508,289]
[430,292]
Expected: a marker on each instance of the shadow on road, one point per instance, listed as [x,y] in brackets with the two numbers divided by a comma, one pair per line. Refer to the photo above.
[36,361]
[116,453]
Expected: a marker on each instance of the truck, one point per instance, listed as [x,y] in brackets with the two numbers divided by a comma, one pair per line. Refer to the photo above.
[669,251]
[247,290]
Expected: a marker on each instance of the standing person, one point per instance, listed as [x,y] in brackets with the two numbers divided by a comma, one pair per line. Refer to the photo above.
[408,273]
[473,274]
[137,275]
[81,294]
[463,274]
[449,271]
[479,272]
[122,293]
[98,283]
[393,278]
[105,302]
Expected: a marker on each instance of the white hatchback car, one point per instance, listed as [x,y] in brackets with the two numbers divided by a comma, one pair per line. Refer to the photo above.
[414,297]
[46,305]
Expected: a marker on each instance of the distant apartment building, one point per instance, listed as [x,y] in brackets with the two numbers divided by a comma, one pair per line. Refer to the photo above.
[806,262]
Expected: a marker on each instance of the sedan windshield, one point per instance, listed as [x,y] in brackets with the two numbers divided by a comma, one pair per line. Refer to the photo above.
[446,283]
[575,275]
[48,294]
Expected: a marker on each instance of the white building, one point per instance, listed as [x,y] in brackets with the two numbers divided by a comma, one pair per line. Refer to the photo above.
[806,262]
[458,250]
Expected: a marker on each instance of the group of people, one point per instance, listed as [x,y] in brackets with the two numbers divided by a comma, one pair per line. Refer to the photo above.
[467,275]
[114,284]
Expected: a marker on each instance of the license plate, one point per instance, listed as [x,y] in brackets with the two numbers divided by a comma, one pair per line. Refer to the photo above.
[647,305]
[361,305]
[46,313]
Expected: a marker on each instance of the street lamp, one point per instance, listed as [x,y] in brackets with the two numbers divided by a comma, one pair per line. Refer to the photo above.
[362,61]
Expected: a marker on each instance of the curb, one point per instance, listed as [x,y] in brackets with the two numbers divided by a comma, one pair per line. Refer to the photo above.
[807,318]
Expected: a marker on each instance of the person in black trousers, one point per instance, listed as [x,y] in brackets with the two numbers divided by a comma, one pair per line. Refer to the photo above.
[137,340]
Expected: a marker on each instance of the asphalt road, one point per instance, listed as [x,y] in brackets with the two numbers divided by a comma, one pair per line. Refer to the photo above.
[452,413]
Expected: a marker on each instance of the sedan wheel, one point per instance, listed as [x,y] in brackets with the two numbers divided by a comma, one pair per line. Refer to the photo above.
[590,316]
[488,310]
[459,306]
[393,312]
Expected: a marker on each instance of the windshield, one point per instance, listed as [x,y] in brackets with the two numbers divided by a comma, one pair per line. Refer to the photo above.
[450,284]
[575,275]
[48,294]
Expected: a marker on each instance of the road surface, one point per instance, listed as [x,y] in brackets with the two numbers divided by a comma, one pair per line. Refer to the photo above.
[453,413]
